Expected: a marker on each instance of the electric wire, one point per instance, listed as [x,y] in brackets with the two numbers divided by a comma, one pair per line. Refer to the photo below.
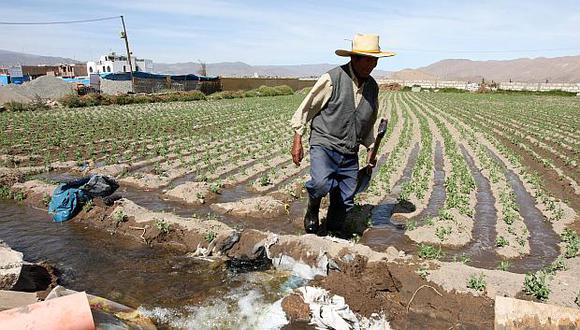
[62,22]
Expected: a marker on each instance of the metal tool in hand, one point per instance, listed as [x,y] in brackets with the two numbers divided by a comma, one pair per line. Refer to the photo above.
[364,174]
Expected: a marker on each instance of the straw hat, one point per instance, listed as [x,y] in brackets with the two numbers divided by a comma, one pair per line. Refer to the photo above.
[366,45]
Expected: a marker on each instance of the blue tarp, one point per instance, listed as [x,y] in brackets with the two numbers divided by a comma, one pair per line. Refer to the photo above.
[19,80]
[84,81]
[68,198]
[146,75]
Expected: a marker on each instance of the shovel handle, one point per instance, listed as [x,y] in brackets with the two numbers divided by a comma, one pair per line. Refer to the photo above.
[380,134]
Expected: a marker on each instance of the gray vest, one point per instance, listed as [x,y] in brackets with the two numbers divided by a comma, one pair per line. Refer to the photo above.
[339,125]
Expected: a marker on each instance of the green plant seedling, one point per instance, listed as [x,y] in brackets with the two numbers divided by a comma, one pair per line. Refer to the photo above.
[572,241]
[163,226]
[476,282]
[119,217]
[557,265]
[46,199]
[504,265]
[500,241]
[88,206]
[536,284]
[209,236]
[423,272]
[430,252]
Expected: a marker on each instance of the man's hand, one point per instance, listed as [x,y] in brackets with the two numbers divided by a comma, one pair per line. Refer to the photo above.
[297,150]
[371,163]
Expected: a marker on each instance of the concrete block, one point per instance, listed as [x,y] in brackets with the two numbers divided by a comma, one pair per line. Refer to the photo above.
[13,299]
[517,314]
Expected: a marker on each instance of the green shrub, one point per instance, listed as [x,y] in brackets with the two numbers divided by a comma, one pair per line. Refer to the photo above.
[92,99]
[17,106]
[227,95]
[251,93]
[266,91]
[72,101]
[140,98]
[536,284]
[122,99]
[193,96]
[284,90]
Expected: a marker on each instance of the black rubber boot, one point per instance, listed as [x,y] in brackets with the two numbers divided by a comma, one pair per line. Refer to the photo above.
[311,218]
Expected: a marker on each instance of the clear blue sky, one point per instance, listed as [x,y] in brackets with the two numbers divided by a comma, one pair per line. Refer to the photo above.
[297,32]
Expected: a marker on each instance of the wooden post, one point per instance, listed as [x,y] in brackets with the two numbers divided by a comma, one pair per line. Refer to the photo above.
[124,36]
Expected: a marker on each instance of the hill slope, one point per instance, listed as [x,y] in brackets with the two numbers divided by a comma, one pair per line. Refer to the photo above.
[557,69]
[8,58]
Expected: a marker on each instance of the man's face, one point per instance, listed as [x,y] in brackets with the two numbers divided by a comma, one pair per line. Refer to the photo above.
[363,65]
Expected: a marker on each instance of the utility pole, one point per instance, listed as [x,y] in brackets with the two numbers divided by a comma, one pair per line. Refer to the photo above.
[124,36]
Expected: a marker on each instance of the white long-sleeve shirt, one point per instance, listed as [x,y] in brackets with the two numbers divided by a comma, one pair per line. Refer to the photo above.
[317,99]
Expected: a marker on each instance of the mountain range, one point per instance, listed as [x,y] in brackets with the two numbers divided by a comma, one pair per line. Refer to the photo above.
[9,58]
[557,69]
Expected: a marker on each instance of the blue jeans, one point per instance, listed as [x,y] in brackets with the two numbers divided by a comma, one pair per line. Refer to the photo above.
[335,173]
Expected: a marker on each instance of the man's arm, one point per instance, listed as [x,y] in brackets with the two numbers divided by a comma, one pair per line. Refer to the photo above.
[369,139]
[310,106]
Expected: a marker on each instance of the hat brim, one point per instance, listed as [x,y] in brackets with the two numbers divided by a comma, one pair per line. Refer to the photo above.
[346,53]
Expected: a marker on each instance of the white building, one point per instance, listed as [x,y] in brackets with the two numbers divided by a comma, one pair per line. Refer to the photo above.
[113,63]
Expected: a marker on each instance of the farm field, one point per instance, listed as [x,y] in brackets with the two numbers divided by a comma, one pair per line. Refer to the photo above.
[486,180]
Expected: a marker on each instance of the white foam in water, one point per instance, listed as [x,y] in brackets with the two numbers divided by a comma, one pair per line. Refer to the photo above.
[240,310]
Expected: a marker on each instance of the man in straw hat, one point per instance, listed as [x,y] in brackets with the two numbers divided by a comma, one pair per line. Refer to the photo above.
[342,108]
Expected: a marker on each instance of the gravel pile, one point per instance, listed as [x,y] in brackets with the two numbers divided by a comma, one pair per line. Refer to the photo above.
[45,87]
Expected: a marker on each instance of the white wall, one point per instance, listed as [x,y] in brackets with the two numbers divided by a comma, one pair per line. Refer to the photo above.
[107,66]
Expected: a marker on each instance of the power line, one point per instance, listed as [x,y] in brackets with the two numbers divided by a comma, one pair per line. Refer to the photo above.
[486,51]
[61,22]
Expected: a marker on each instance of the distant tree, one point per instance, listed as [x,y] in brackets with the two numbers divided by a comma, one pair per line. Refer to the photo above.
[202,68]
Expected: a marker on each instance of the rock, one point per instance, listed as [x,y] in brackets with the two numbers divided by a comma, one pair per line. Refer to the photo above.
[190,192]
[295,308]
[257,207]
[10,266]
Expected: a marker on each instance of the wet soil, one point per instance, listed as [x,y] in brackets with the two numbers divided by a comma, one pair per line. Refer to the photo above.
[396,290]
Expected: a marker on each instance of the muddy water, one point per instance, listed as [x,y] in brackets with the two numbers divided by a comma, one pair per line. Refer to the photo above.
[384,231]
[438,195]
[543,239]
[481,250]
[177,291]
[105,265]
[157,201]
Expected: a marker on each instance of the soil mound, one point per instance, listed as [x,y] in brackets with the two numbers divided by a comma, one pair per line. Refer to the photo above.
[44,87]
